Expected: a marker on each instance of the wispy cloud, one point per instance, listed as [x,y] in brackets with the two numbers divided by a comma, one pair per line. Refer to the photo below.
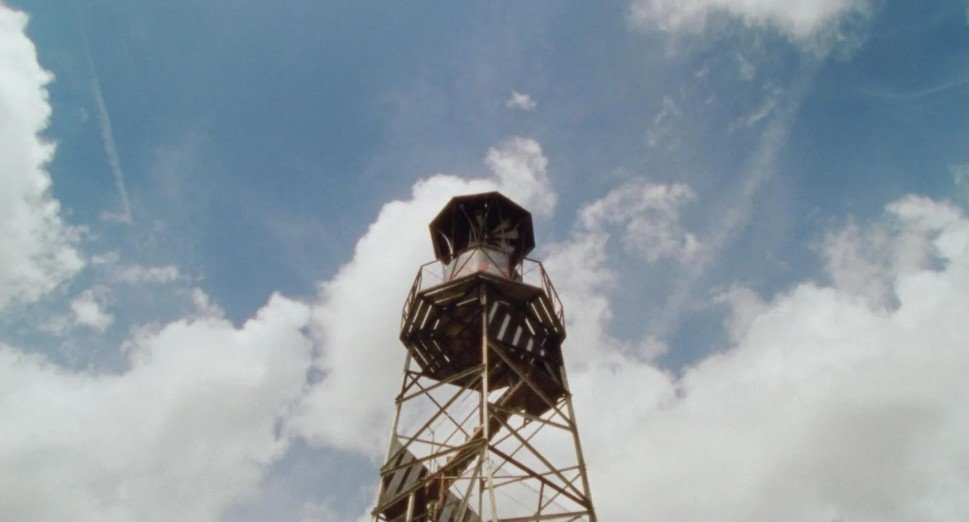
[520,100]
[960,176]
[914,94]
[137,274]
[659,131]
[760,168]
[813,24]
[107,135]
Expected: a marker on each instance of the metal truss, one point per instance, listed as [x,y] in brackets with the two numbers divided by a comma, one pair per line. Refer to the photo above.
[484,428]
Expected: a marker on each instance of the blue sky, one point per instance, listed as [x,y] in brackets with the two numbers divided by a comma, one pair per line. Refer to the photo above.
[709,180]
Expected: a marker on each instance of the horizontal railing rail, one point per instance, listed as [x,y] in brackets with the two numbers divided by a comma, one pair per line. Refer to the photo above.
[528,271]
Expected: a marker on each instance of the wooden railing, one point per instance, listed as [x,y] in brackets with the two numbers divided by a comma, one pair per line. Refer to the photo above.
[528,271]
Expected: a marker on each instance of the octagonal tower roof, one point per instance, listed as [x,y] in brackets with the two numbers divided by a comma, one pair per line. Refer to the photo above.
[487,219]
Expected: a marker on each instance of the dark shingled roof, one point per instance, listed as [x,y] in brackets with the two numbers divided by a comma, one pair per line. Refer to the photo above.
[456,226]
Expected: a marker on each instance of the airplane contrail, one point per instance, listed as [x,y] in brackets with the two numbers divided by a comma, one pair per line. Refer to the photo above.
[107,134]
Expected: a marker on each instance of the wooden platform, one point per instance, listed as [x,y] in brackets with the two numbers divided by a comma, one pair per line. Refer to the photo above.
[442,328]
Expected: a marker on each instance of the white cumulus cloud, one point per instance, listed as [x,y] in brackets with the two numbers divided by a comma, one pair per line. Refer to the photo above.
[188,430]
[37,249]
[822,408]
[520,168]
[88,310]
[649,215]
[867,260]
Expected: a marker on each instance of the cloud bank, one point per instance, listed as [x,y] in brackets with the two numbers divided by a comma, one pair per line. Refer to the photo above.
[823,407]
[37,249]
[189,429]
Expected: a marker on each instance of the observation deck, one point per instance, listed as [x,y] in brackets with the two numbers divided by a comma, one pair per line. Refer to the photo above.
[482,275]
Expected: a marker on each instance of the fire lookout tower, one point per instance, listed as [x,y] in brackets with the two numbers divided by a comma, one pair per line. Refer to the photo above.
[485,429]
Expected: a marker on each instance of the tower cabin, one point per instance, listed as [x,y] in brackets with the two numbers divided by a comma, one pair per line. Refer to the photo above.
[482,233]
